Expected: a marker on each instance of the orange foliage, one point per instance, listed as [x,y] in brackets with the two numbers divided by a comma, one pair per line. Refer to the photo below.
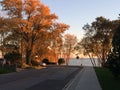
[36,25]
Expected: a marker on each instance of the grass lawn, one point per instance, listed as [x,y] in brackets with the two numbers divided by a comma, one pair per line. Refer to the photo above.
[107,80]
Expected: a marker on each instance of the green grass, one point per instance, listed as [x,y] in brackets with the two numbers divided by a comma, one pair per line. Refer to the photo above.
[107,80]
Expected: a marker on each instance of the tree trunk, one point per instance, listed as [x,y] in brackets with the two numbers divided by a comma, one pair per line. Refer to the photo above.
[28,56]
[99,60]
[103,55]
[29,50]
[91,59]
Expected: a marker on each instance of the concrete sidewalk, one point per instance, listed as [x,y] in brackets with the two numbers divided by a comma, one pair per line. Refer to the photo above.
[86,79]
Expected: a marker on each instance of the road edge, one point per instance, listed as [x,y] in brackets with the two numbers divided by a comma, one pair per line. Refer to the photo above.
[73,82]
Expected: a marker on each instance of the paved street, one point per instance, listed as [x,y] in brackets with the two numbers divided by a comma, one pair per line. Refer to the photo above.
[51,78]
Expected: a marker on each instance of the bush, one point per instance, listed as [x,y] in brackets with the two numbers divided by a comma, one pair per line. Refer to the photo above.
[45,60]
[61,61]
[13,57]
[77,57]
[113,63]
[114,56]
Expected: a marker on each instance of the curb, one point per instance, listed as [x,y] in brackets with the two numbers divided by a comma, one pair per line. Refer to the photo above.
[73,83]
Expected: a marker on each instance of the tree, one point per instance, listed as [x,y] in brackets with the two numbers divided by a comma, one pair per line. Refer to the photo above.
[104,33]
[113,59]
[31,19]
[100,34]
[87,46]
[69,43]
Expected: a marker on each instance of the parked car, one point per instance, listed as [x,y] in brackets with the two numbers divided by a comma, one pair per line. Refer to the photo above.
[2,61]
[42,64]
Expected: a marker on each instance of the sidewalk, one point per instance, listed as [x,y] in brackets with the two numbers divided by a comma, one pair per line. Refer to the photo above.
[86,79]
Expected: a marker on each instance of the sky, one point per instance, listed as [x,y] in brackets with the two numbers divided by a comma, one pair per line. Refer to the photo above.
[77,13]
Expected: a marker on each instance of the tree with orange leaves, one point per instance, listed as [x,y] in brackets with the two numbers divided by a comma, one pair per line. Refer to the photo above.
[69,44]
[32,19]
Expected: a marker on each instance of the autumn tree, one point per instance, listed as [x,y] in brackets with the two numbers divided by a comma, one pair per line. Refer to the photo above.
[51,42]
[2,25]
[69,43]
[5,32]
[31,19]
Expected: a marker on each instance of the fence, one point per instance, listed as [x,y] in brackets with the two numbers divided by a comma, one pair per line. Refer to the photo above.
[7,68]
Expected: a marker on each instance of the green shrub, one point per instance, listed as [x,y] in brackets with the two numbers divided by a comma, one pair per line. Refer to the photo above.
[114,56]
[113,63]
[77,57]
[45,60]
[13,57]
[61,61]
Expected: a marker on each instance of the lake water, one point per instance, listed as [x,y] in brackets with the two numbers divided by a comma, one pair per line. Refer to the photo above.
[82,61]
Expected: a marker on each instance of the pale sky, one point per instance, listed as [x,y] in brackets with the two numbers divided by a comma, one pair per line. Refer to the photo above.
[77,13]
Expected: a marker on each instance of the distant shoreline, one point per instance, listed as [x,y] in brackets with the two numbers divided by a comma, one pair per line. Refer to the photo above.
[82,61]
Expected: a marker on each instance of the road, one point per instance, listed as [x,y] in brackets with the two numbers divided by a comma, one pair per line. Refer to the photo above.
[50,78]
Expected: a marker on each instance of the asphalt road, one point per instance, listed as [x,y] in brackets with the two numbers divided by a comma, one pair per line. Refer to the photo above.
[50,78]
